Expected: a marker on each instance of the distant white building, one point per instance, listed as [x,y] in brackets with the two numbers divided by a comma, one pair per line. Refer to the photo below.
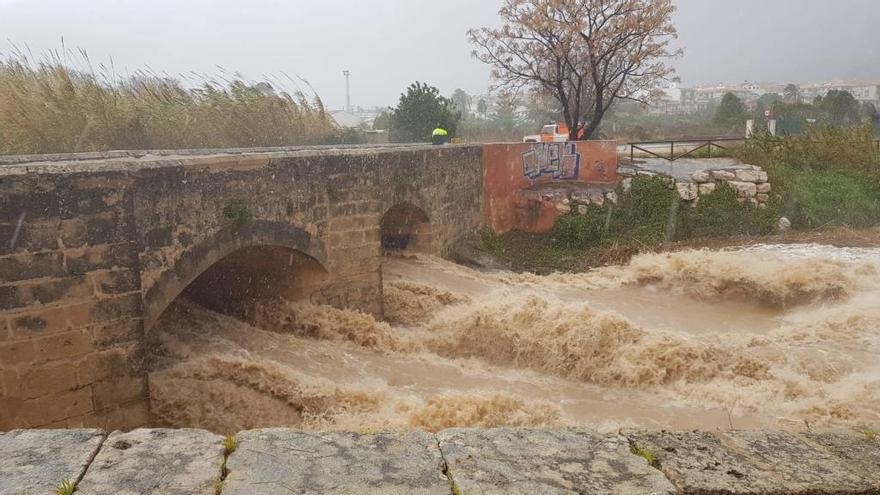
[357,117]
[673,99]
[862,91]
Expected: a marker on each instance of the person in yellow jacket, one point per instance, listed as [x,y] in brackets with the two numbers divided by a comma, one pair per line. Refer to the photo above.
[439,135]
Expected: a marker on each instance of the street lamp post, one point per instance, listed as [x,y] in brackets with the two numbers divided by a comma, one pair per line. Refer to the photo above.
[347,74]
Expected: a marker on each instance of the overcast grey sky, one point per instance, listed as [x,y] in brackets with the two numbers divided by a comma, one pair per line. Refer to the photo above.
[389,43]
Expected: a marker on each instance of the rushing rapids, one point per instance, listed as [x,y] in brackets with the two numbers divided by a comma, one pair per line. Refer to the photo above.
[776,336]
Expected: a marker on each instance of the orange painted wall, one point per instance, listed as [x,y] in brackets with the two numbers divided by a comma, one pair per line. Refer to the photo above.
[508,168]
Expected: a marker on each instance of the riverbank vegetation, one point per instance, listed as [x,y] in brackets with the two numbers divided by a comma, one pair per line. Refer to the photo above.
[55,106]
[826,178]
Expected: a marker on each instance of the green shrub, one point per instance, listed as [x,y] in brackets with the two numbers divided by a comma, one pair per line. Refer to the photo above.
[832,198]
[721,214]
[643,213]
[577,231]
[820,147]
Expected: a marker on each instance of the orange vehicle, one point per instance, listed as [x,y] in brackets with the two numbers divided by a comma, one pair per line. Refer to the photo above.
[550,133]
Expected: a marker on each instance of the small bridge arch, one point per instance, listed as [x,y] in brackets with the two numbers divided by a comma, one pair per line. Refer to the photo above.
[406,227]
[240,263]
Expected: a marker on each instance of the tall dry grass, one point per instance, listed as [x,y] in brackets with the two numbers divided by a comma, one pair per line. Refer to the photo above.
[52,106]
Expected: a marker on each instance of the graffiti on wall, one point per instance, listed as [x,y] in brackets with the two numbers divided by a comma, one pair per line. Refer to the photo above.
[558,160]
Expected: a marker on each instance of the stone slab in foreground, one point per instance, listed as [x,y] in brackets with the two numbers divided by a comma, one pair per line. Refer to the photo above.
[273,461]
[760,462]
[519,461]
[156,462]
[37,461]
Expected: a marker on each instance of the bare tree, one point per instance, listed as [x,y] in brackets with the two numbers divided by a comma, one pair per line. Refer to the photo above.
[586,53]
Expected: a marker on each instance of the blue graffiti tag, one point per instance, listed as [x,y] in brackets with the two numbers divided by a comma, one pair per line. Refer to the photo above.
[559,160]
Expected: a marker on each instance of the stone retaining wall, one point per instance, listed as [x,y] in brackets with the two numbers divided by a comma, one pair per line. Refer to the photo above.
[458,461]
[750,182]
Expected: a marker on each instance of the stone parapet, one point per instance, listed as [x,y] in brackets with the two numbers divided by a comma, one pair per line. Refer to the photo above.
[455,461]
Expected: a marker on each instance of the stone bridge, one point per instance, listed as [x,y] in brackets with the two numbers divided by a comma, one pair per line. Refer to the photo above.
[94,247]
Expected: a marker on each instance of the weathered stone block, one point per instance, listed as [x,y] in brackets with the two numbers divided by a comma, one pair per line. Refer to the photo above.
[698,462]
[33,236]
[46,292]
[35,204]
[762,198]
[563,208]
[273,461]
[687,191]
[14,268]
[596,197]
[117,333]
[701,176]
[523,461]
[798,466]
[116,282]
[102,365]
[50,409]
[707,188]
[15,353]
[105,228]
[48,379]
[156,462]
[860,452]
[744,189]
[102,257]
[751,175]
[37,461]
[68,345]
[54,319]
[764,188]
[723,175]
[128,306]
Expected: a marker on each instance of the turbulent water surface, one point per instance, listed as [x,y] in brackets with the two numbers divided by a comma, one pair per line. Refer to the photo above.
[779,336]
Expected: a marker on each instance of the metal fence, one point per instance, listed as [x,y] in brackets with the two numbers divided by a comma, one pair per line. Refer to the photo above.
[692,145]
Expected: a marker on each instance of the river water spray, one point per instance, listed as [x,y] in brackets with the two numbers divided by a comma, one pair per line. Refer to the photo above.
[781,336]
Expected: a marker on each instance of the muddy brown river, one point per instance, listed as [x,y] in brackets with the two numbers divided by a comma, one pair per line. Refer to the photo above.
[782,336]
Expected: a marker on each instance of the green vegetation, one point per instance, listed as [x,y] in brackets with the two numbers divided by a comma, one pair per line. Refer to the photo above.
[419,111]
[648,215]
[67,487]
[651,212]
[869,433]
[826,177]
[731,112]
[646,454]
[721,214]
[229,444]
[52,107]
[239,212]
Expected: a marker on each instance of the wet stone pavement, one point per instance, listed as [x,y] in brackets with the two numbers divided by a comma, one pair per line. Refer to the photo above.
[457,461]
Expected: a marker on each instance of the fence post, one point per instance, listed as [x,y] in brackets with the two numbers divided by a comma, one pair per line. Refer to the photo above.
[671,150]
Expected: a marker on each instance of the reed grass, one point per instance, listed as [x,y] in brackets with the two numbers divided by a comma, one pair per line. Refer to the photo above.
[61,103]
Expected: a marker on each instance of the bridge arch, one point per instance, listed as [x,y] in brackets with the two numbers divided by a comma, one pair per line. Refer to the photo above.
[259,259]
[406,228]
